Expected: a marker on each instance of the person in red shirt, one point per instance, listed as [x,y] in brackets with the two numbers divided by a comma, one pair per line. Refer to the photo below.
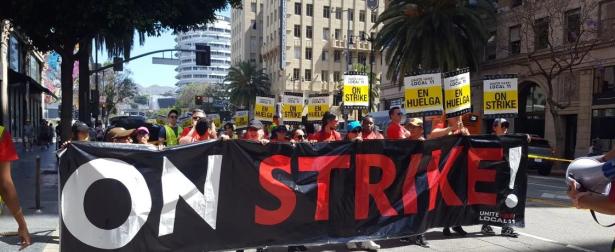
[255,132]
[395,130]
[369,130]
[279,134]
[328,132]
[200,132]
[7,188]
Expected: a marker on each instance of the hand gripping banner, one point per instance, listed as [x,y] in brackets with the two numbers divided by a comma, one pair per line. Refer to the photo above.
[225,195]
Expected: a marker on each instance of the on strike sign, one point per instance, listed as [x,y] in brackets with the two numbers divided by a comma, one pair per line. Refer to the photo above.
[264,108]
[241,119]
[423,94]
[292,109]
[318,105]
[356,90]
[500,97]
[457,98]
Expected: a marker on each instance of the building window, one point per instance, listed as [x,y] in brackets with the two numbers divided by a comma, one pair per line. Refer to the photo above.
[362,59]
[324,76]
[337,56]
[14,54]
[515,40]
[362,36]
[308,31]
[541,33]
[296,74]
[607,18]
[308,53]
[308,75]
[374,17]
[573,25]
[602,129]
[297,8]
[297,52]
[338,33]
[324,55]
[515,3]
[337,76]
[309,10]
[338,13]
[326,11]
[491,50]
[253,6]
[298,31]
[605,80]
[350,36]
[253,24]
[350,14]
[362,16]
[326,33]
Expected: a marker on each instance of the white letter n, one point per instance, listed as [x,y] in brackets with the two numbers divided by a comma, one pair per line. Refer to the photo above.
[176,185]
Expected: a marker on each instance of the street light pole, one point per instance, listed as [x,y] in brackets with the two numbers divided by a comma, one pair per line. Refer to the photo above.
[372,58]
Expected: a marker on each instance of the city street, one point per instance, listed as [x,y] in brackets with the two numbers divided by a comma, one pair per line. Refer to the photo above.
[551,224]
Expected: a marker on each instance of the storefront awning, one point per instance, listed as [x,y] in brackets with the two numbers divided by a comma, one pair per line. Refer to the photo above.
[17,79]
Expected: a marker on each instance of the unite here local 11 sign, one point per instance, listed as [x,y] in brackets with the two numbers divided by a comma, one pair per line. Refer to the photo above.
[356,90]
[423,94]
[264,109]
[500,96]
[318,105]
[457,98]
[292,107]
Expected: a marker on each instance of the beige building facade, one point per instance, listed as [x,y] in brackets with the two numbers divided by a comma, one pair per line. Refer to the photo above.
[247,32]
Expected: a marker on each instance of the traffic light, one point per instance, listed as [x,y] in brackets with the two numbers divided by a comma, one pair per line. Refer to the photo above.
[203,54]
[198,100]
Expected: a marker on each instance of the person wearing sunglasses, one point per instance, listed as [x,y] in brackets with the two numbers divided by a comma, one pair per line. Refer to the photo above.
[500,126]
[279,134]
[415,126]
[354,131]
[395,130]
[299,136]
[198,114]
[119,135]
[169,133]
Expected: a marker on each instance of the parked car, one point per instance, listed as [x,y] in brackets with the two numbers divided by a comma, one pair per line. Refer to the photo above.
[540,147]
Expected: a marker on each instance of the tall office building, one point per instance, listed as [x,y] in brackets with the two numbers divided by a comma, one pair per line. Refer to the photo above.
[218,36]
[247,32]
[307,46]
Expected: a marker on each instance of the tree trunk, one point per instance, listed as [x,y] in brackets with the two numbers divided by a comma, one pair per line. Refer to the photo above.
[84,82]
[67,93]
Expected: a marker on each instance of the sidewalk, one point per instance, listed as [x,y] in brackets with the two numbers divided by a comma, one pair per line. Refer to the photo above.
[41,224]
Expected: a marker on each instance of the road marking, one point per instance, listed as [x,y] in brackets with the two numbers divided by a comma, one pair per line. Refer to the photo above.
[552,186]
[547,178]
[548,202]
[570,246]
[553,196]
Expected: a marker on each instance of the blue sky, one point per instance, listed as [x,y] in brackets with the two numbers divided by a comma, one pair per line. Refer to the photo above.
[143,71]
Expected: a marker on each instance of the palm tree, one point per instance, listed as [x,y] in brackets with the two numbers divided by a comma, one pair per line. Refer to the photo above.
[432,34]
[246,81]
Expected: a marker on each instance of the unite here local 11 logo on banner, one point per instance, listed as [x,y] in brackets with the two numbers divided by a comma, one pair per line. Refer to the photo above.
[423,94]
[264,109]
[292,107]
[241,119]
[500,96]
[318,105]
[457,98]
[356,90]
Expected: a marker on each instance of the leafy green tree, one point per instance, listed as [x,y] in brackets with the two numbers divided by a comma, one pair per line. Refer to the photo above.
[61,25]
[246,81]
[118,88]
[428,34]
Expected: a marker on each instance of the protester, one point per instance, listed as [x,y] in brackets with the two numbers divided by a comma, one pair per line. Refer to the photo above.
[43,135]
[198,114]
[119,135]
[454,127]
[201,131]
[169,133]
[7,188]
[142,135]
[28,136]
[415,127]
[369,129]
[353,131]
[279,134]
[255,132]
[298,136]
[328,131]
[100,132]
[229,130]
[81,131]
[395,130]
[58,136]
[499,128]
[274,124]
[50,133]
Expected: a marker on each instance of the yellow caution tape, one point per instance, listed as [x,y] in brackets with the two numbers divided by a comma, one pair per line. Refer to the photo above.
[548,158]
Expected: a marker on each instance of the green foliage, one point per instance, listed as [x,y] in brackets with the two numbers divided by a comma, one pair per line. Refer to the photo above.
[141,99]
[118,88]
[188,92]
[246,81]
[427,34]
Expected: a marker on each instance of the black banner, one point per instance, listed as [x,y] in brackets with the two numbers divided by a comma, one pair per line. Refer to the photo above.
[236,194]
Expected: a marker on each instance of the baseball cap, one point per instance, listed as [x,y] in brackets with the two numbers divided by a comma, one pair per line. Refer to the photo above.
[352,125]
[118,132]
[255,124]
[417,122]
[80,127]
[500,121]
[142,129]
